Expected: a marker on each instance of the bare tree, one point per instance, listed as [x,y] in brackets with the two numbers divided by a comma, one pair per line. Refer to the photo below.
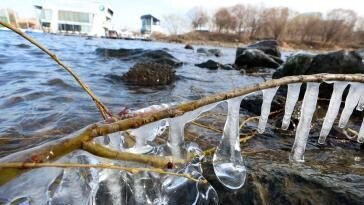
[198,17]
[276,20]
[175,24]
[224,20]
[239,12]
[253,21]
[339,24]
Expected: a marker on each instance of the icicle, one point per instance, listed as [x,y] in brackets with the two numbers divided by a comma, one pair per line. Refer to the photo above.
[332,110]
[176,128]
[356,89]
[145,134]
[360,106]
[303,128]
[361,133]
[227,161]
[268,95]
[291,100]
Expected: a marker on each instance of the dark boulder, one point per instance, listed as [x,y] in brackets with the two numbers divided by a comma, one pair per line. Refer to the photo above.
[253,103]
[188,46]
[213,51]
[140,55]
[252,58]
[210,64]
[150,74]
[269,47]
[338,62]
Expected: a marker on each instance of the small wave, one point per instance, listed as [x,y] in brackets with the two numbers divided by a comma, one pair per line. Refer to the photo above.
[114,78]
[57,82]
[13,101]
[22,45]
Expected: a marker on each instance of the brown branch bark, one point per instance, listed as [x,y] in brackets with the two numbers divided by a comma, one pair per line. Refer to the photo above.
[155,161]
[102,108]
[58,148]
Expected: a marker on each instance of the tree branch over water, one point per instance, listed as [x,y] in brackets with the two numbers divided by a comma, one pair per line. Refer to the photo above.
[104,111]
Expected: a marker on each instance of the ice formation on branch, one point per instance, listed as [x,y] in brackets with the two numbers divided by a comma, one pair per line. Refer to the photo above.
[355,92]
[303,128]
[177,125]
[332,110]
[291,100]
[268,95]
[227,161]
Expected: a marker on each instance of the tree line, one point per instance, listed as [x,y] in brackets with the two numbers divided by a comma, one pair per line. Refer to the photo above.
[247,22]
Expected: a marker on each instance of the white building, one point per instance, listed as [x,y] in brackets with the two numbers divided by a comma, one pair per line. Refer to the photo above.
[78,17]
[150,24]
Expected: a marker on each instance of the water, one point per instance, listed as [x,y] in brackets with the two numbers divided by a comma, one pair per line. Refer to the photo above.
[39,101]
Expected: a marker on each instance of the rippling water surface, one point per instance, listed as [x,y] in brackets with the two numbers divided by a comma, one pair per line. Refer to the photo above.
[39,101]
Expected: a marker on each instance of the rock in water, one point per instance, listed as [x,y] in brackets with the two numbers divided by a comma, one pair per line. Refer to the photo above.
[141,55]
[150,74]
[210,64]
[253,58]
[213,51]
[189,46]
[344,62]
[269,47]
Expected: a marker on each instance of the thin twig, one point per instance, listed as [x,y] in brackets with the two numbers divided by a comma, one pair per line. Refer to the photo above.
[133,170]
[155,161]
[102,108]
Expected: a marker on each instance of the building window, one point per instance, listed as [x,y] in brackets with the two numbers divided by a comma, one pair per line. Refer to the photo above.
[69,27]
[46,14]
[73,16]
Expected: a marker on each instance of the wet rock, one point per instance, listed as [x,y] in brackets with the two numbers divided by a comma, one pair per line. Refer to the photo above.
[338,62]
[189,46]
[210,64]
[150,74]
[140,55]
[213,51]
[252,58]
[269,47]
[253,103]
[345,62]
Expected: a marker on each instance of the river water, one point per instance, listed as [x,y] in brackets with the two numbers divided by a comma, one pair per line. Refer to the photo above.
[39,101]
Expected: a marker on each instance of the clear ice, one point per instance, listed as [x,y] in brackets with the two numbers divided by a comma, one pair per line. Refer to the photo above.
[177,125]
[145,134]
[303,129]
[356,90]
[227,160]
[291,100]
[332,110]
[360,106]
[268,95]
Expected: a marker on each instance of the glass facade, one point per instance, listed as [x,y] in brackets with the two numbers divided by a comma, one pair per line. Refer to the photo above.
[73,16]
[74,28]
[46,14]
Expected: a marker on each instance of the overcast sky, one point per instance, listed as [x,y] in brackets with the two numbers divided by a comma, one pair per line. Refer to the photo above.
[128,12]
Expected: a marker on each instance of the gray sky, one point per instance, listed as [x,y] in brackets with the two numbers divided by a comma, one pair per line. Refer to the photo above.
[128,12]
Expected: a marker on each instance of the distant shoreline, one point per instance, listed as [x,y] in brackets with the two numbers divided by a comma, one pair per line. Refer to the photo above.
[226,40]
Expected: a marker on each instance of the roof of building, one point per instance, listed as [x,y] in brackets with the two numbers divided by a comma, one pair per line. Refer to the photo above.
[149,16]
